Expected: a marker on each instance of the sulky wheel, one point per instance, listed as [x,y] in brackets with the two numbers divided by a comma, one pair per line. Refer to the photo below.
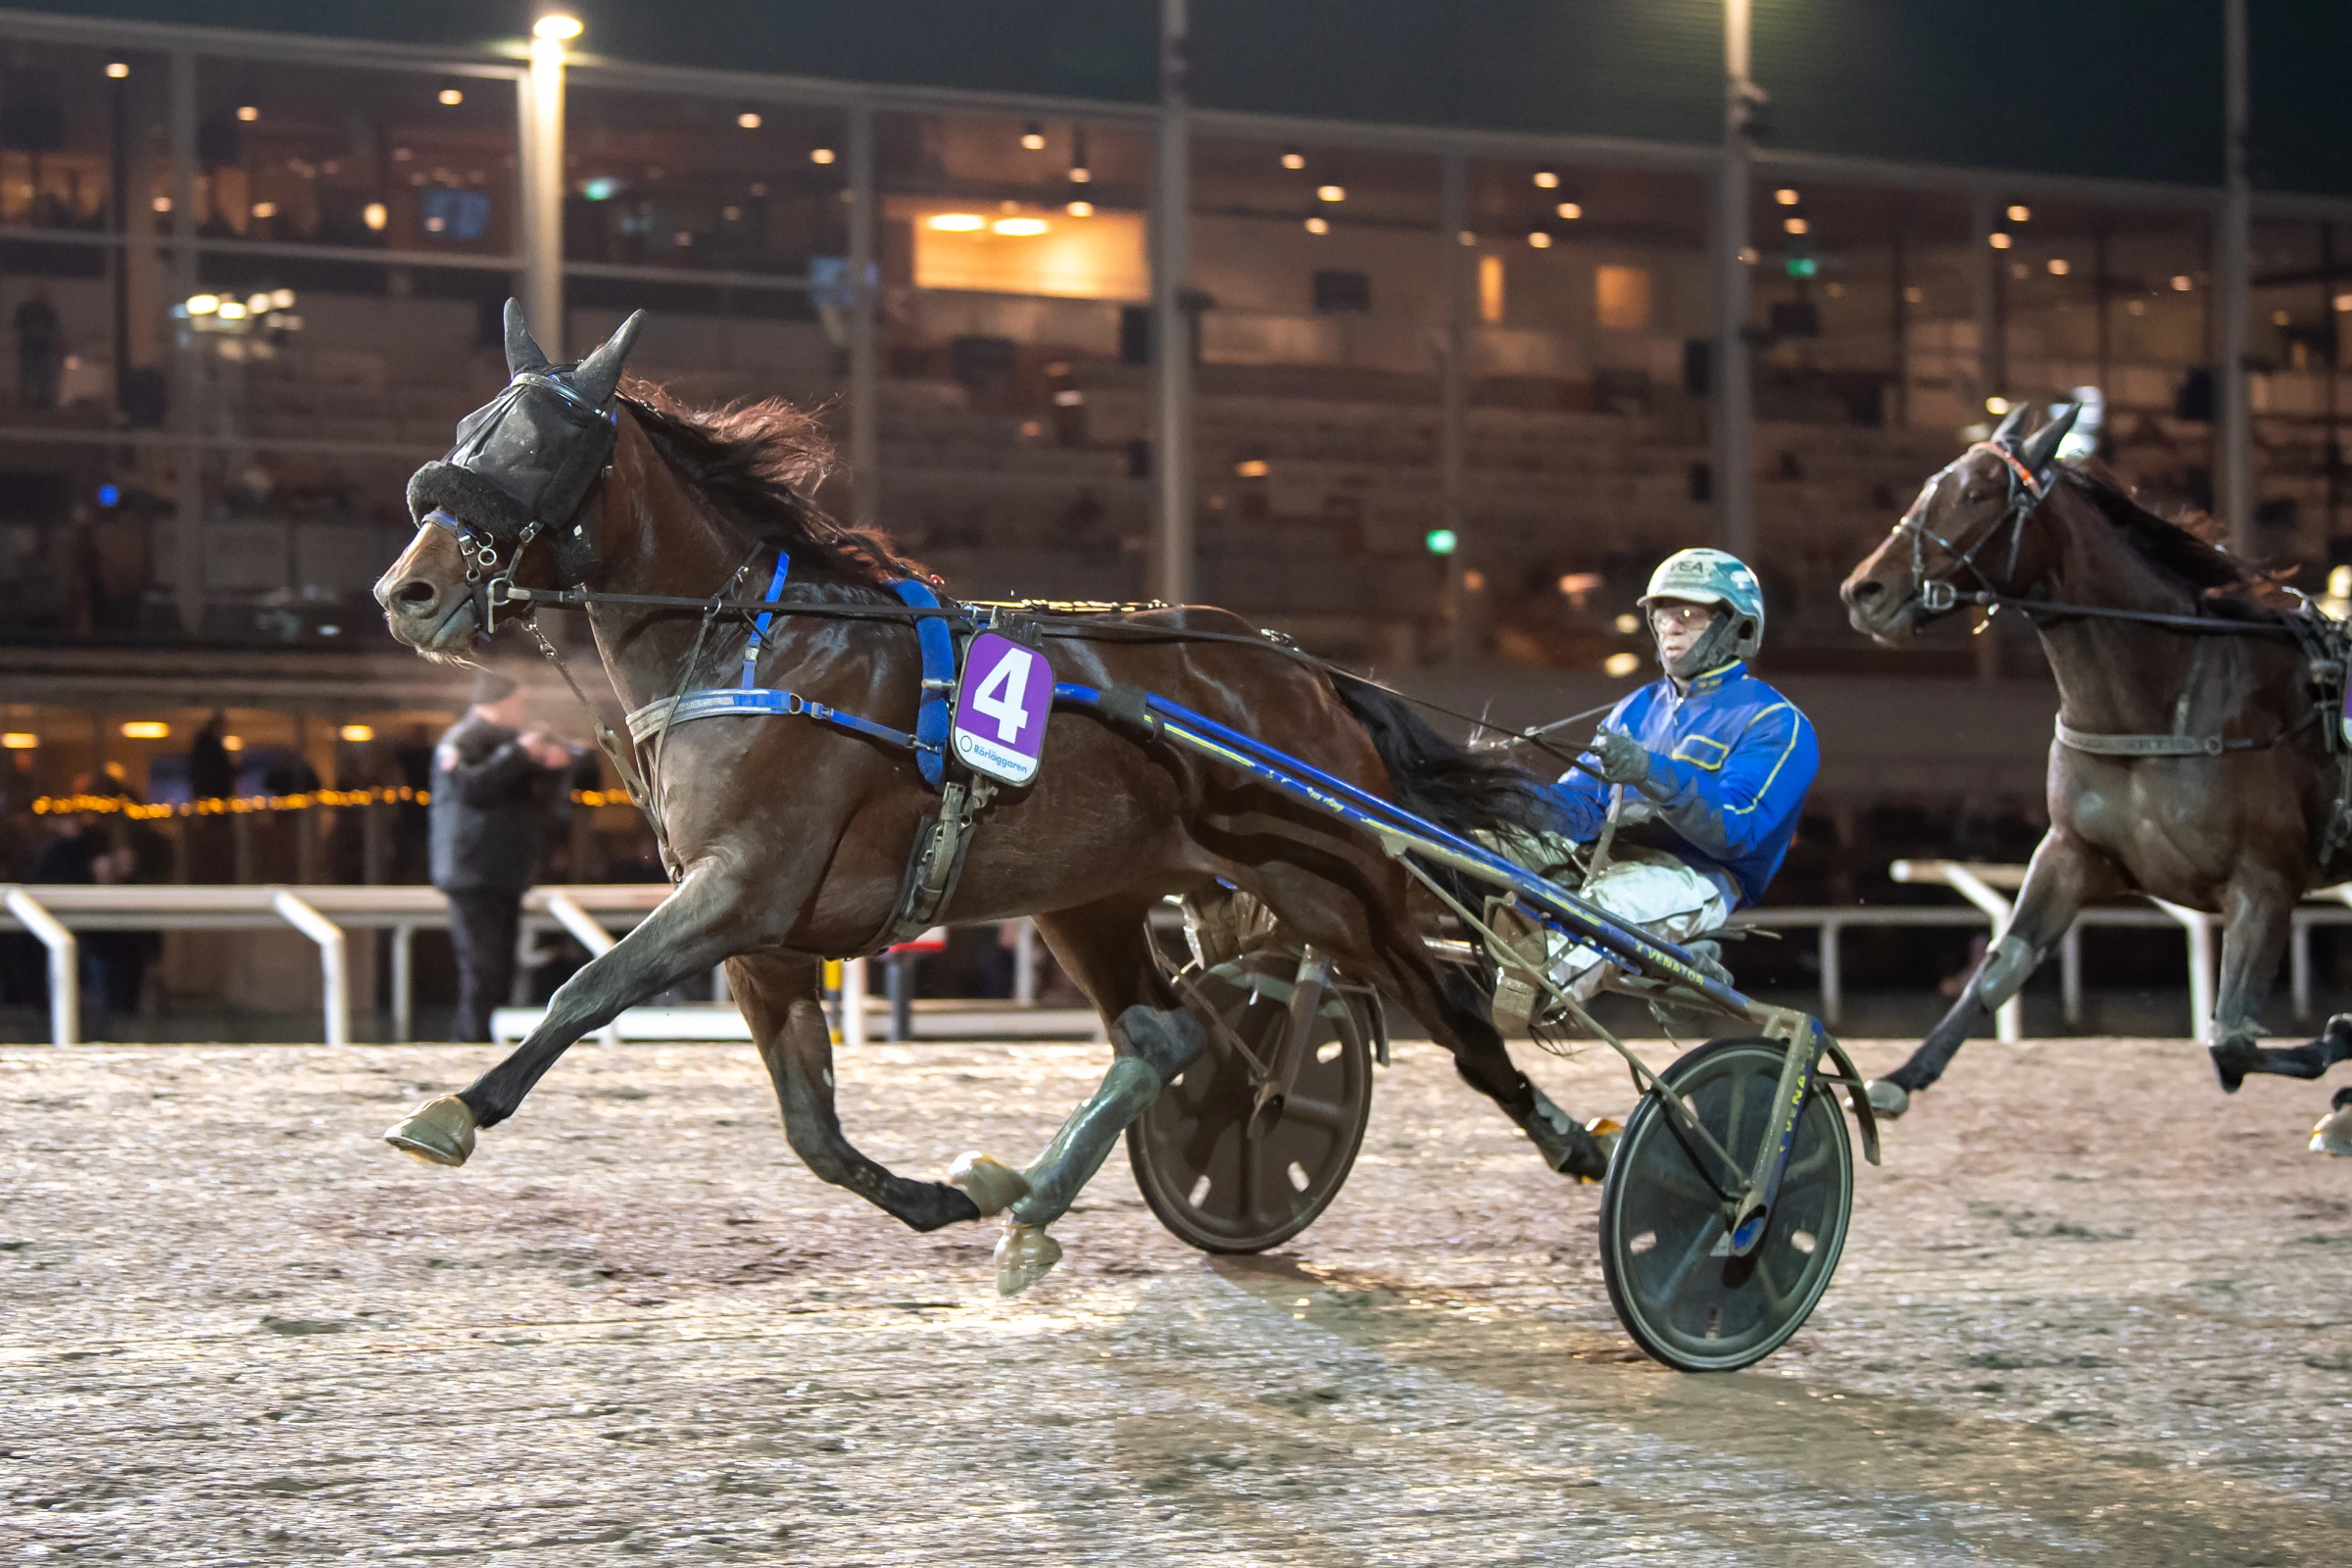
[1660,1219]
[1223,1172]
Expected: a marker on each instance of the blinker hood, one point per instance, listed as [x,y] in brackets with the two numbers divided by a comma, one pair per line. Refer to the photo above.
[531,453]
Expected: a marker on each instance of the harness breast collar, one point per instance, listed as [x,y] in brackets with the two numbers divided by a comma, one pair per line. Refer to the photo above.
[927,741]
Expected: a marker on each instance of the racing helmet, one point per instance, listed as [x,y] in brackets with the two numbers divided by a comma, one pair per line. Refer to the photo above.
[1705,576]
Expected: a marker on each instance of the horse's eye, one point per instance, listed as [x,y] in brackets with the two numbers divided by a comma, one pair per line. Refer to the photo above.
[1976,494]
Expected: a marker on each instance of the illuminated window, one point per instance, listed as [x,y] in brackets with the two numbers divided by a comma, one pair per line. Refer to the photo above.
[1620,297]
[1490,288]
[1026,252]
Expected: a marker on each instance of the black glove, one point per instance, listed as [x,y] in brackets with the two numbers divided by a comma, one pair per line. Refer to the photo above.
[1623,759]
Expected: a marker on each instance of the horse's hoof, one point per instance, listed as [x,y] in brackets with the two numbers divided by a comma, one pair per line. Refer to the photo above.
[992,1185]
[2333,1134]
[1606,1132]
[1567,1148]
[1889,1099]
[439,1132]
[2232,1059]
[1025,1255]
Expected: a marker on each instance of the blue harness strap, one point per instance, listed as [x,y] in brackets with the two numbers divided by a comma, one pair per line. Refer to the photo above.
[928,743]
[750,649]
[938,645]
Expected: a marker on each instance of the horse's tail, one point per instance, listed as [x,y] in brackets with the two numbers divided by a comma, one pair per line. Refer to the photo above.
[1434,778]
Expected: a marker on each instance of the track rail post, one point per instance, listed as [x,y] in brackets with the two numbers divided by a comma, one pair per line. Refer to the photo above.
[65,966]
[333,970]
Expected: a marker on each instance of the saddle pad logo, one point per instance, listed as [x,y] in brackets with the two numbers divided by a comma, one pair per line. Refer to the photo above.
[1002,705]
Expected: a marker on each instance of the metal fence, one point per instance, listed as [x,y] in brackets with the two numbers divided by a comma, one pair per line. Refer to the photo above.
[592,914]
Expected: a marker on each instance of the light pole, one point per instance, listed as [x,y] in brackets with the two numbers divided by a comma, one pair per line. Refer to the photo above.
[543,179]
[1733,388]
[2232,424]
[1171,324]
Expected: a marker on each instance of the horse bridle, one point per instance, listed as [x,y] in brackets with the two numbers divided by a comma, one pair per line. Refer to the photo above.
[2026,492]
[506,509]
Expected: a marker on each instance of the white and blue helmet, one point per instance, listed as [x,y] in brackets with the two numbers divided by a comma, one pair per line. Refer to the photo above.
[1712,577]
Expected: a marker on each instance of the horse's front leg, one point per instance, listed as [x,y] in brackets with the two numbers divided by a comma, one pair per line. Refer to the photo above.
[715,913]
[2260,905]
[781,995]
[2064,875]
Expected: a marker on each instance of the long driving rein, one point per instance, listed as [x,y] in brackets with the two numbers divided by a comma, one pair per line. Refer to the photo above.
[2032,472]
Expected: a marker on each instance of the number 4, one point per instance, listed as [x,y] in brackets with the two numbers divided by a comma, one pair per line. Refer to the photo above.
[999,695]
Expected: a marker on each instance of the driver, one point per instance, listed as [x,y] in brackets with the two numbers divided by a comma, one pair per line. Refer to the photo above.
[1704,769]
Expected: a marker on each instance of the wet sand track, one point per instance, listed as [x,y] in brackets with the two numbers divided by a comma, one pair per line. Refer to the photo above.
[2090,1307]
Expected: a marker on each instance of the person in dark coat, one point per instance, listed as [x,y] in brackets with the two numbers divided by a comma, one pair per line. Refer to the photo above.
[493,787]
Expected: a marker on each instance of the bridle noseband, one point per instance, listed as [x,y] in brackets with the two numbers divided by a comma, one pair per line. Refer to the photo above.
[2026,492]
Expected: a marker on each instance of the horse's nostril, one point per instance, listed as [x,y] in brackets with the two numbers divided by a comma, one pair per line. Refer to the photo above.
[416,594]
[1867,589]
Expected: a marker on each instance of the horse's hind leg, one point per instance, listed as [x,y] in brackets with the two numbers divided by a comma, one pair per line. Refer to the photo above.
[1104,949]
[780,995]
[1338,911]
[2062,877]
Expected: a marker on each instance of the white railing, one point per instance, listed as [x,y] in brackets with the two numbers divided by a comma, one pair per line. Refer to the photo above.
[592,914]
[1976,882]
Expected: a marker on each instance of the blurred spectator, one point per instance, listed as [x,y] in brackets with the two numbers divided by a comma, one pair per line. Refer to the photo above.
[40,349]
[86,849]
[212,772]
[493,794]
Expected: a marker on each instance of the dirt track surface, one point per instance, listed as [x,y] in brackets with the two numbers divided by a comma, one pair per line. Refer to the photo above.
[2090,1307]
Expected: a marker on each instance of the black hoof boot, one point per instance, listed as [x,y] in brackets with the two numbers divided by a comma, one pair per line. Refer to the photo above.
[1565,1146]
[2232,1059]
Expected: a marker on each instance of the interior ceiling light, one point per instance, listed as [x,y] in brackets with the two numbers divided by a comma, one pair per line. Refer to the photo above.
[452,96]
[748,120]
[2060,267]
[1292,158]
[959,222]
[1033,136]
[2000,240]
[117,68]
[1546,180]
[1331,193]
[1571,211]
[1787,196]
[2020,212]
[248,113]
[1080,209]
[146,729]
[1795,225]
[232,310]
[1019,227]
[557,26]
[375,215]
[2182,284]
[1318,225]
[19,739]
[821,155]
[1540,240]
[203,304]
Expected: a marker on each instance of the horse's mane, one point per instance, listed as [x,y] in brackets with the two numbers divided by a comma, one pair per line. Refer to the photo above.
[2179,547]
[758,462]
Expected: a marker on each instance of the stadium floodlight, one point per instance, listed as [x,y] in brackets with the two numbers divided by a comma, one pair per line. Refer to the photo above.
[558,26]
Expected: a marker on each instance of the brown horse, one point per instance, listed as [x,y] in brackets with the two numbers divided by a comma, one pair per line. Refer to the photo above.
[2195,760]
[788,837]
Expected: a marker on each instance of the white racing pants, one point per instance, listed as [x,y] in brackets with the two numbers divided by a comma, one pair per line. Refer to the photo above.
[1646,888]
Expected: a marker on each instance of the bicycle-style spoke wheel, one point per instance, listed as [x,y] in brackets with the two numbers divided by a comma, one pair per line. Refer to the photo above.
[1223,1178]
[1662,1222]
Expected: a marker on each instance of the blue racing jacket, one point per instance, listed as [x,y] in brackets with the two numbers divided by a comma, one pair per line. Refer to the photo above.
[1736,758]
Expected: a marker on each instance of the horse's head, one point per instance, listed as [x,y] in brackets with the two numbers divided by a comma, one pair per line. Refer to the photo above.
[523,466]
[1964,534]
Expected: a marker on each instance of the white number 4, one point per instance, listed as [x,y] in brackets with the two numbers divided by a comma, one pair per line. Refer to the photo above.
[999,695]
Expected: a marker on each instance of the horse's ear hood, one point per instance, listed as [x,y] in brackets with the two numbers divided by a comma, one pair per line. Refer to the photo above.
[2041,449]
[599,372]
[522,350]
